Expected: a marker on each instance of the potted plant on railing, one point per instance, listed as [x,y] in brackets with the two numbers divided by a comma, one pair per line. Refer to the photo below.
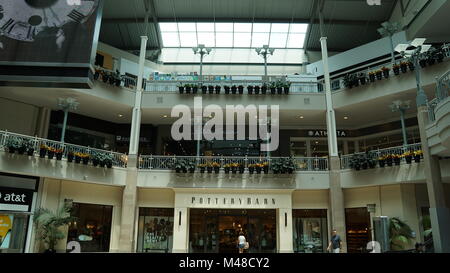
[348,81]
[209,168]
[13,144]
[216,167]
[265,167]
[288,166]
[410,65]
[180,88]
[250,89]
[108,159]
[258,168]
[385,71]
[96,158]
[431,56]
[356,162]
[280,86]
[382,161]
[204,89]
[42,150]
[273,88]
[227,168]
[408,155]
[234,167]
[188,88]
[50,152]
[372,76]
[362,78]
[439,55]
[30,147]
[22,147]
[217,88]
[417,155]
[389,160]
[241,89]
[211,89]
[241,168]
[263,89]
[396,69]
[251,168]
[423,61]
[202,167]
[396,159]
[85,158]
[404,67]
[286,87]
[379,74]
[257,88]
[227,89]
[194,89]
[78,157]
[70,156]
[180,166]
[233,89]
[59,153]
[190,166]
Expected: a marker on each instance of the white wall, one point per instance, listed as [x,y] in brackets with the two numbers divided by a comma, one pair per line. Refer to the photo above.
[13,111]
[357,55]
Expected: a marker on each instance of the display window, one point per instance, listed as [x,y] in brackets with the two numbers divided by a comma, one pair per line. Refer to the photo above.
[155,231]
[310,230]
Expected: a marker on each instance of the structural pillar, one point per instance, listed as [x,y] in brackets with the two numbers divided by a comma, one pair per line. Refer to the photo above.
[181,230]
[439,212]
[336,193]
[129,199]
[285,238]
[43,122]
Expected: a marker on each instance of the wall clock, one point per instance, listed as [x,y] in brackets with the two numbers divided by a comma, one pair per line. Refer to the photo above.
[22,20]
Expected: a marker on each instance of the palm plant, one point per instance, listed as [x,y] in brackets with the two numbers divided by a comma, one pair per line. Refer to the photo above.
[48,225]
[401,234]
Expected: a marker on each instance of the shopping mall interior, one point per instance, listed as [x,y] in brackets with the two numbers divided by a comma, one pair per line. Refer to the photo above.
[316,116]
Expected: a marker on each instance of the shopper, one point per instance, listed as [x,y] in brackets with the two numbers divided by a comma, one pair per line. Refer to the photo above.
[241,242]
[335,242]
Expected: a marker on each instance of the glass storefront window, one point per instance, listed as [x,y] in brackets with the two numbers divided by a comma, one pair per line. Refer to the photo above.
[155,231]
[310,230]
[13,231]
[92,227]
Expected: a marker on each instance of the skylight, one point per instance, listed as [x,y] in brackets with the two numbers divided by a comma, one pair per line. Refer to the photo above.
[240,35]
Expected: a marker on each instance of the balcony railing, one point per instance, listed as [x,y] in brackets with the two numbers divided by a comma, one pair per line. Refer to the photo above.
[399,150]
[151,162]
[172,86]
[31,145]
[442,92]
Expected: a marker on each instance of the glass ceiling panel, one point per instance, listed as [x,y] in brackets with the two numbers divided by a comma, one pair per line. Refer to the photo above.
[188,39]
[224,39]
[282,35]
[201,27]
[168,27]
[224,27]
[242,27]
[186,27]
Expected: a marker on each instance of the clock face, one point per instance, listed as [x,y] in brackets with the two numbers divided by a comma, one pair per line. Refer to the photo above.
[22,20]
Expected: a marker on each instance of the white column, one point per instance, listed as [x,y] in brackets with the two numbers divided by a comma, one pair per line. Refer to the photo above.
[181,230]
[308,148]
[285,233]
[43,122]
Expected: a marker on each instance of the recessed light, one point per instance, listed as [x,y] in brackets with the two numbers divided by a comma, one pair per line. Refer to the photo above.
[301,117]
[120,115]
[345,117]
[165,116]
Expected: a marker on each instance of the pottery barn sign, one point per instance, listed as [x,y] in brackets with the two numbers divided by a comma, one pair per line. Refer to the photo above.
[12,199]
[233,200]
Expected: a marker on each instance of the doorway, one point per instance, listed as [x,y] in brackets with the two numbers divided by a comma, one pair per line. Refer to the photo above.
[217,231]
[357,222]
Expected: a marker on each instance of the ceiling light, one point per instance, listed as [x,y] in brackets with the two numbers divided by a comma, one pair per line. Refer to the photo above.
[165,116]
[120,115]
[346,118]
[301,117]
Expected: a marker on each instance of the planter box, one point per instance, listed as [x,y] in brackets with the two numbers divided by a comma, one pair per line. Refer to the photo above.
[59,156]
[42,152]
[30,152]
[280,90]
[50,155]
[70,157]
[216,169]
[408,159]
[382,163]
[286,90]
[77,159]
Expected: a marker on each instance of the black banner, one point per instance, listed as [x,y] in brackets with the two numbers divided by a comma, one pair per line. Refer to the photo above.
[13,196]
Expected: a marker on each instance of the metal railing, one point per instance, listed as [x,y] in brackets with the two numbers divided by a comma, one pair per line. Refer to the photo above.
[172,86]
[443,87]
[399,150]
[32,146]
[167,162]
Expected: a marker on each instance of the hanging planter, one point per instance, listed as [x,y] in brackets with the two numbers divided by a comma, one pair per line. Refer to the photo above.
[381,162]
[397,160]
[251,169]
[241,169]
[194,89]
[50,152]
[227,89]
[217,88]
[85,159]
[286,90]
[372,76]
[411,66]
[362,79]
[404,67]
[209,169]
[417,156]
[42,151]
[30,151]
[187,88]
[211,89]
[227,169]
[181,89]
[233,89]
[95,162]
[204,89]
[70,157]
[396,69]
[250,89]
[423,63]
[280,90]
[264,89]
[385,72]
[389,161]
[257,89]
[59,154]
[379,75]
[273,90]
[241,89]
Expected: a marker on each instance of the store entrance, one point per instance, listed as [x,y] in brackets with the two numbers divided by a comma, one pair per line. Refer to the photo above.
[217,231]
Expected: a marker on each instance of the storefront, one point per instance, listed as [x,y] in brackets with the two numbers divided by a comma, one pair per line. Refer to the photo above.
[210,221]
[17,196]
[310,230]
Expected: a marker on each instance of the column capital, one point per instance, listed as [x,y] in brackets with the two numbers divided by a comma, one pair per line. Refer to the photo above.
[144,38]
[323,39]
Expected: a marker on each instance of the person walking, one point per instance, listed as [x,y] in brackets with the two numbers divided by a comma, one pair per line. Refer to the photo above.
[335,242]
[241,242]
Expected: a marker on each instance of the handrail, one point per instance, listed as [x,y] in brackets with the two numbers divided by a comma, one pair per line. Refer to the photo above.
[118,159]
[345,159]
[166,162]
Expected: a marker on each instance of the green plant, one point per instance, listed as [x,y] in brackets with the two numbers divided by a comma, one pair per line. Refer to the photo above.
[48,225]
[426,224]
[401,234]
[14,143]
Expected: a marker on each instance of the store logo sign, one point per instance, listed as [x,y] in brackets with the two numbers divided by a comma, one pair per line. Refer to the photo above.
[324,133]
[244,201]
[15,199]
[214,116]
[374,2]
